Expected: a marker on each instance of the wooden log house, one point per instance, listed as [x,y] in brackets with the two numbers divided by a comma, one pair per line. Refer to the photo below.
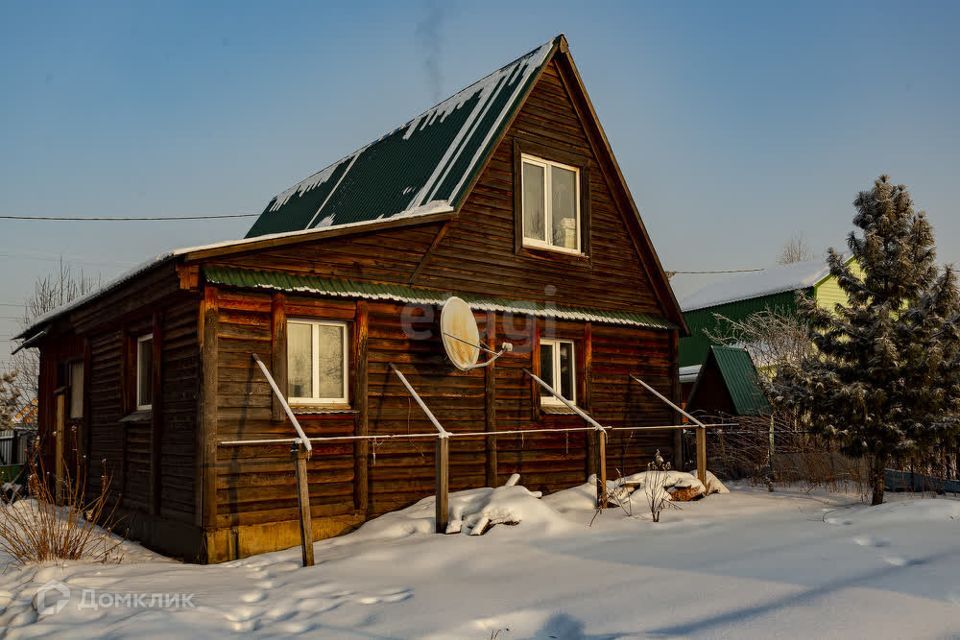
[507,195]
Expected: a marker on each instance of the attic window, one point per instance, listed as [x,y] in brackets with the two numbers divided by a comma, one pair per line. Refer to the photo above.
[551,205]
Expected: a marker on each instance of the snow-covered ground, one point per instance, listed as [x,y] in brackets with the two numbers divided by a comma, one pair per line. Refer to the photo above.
[748,564]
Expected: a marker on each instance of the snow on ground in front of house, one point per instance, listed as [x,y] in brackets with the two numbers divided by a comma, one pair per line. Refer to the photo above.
[748,564]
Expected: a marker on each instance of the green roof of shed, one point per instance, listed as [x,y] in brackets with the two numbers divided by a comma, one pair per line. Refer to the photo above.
[427,164]
[740,379]
[289,283]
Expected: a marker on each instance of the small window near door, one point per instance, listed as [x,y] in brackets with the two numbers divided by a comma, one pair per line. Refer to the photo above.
[317,359]
[551,205]
[76,390]
[557,369]
[145,372]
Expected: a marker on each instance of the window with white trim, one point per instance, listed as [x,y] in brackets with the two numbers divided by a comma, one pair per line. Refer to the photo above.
[551,204]
[76,389]
[558,369]
[145,372]
[317,360]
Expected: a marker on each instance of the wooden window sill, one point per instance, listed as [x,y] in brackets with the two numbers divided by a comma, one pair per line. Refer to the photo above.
[557,410]
[140,415]
[312,409]
[550,255]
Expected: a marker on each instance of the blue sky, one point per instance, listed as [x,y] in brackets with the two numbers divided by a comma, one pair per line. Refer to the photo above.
[736,124]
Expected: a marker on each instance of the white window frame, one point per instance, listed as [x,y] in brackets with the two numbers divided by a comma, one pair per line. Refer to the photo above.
[547,398]
[315,361]
[148,337]
[76,408]
[546,243]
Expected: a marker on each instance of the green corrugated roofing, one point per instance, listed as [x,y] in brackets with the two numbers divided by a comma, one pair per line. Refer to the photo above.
[426,164]
[694,348]
[741,379]
[279,281]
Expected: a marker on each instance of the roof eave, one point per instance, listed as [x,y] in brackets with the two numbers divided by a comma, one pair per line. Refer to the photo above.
[199,253]
[295,237]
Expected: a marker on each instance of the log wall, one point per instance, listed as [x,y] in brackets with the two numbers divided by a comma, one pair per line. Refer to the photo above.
[255,484]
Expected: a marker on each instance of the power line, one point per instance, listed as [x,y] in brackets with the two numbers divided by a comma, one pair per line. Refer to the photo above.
[698,273]
[127,219]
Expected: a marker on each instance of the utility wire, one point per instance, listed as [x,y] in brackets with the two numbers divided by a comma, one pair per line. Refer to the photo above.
[697,273]
[127,219]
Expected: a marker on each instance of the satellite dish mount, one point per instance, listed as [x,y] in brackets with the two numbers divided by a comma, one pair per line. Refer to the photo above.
[461,337]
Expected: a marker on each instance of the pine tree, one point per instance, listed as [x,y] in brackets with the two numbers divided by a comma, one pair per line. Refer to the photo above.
[884,382]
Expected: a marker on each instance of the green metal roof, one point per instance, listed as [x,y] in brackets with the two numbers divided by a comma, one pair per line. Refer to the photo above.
[426,164]
[290,283]
[741,379]
[695,347]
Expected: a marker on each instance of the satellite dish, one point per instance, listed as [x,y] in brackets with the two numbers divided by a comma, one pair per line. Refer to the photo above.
[461,337]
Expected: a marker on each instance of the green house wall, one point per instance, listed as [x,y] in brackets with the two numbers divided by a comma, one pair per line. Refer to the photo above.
[693,349]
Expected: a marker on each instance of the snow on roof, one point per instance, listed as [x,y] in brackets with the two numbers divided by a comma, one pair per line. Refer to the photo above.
[689,373]
[790,277]
[433,208]
[427,159]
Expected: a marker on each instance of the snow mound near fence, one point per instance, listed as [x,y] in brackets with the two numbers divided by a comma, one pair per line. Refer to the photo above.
[584,496]
[476,511]
[472,511]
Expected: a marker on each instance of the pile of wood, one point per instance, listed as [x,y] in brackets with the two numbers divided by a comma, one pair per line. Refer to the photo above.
[680,485]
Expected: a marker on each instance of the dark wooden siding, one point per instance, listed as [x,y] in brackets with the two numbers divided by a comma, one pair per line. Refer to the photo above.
[477,254]
[178,439]
[255,483]
[106,407]
[118,443]
[384,256]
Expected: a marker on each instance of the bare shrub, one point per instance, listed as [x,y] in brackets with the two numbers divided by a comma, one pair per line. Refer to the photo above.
[794,250]
[797,457]
[49,292]
[653,489]
[60,521]
[772,338]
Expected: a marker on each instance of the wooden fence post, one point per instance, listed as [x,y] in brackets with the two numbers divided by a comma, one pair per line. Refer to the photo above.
[299,453]
[601,468]
[702,454]
[773,450]
[443,483]
[60,447]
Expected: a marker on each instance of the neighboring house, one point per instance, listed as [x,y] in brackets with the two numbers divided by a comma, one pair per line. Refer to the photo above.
[507,195]
[736,298]
[728,384]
